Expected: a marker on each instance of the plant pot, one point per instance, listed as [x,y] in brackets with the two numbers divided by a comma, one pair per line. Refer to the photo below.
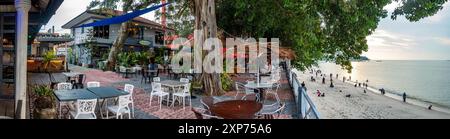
[48,113]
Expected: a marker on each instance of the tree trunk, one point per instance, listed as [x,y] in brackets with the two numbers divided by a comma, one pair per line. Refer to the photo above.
[205,21]
[118,43]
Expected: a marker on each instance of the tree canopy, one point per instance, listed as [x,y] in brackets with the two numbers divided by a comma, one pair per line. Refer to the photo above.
[332,30]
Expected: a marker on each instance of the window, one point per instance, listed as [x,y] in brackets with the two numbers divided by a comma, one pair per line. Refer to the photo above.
[159,38]
[82,30]
[101,32]
[136,32]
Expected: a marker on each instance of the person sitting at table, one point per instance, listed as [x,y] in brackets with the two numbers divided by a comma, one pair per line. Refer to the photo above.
[152,65]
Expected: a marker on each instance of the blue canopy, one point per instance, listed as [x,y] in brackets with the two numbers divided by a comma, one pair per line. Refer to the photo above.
[123,18]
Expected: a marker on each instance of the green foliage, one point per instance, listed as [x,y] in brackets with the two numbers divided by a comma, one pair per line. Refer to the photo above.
[227,83]
[414,10]
[44,97]
[128,59]
[105,56]
[142,57]
[124,59]
[43,91]
[90,41]
[178,16]
[49,56]
[331,30]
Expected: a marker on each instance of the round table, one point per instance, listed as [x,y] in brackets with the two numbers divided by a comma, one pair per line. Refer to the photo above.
[236,109]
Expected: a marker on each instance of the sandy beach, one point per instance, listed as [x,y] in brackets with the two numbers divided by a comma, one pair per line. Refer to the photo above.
[360,105]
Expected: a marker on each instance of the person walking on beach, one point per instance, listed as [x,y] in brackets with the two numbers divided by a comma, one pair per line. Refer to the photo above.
[404,97]
[382,91]
[367,83]
[350,78]
[332,85]
[323,80]
[337,76]
[343,79]
[304,86]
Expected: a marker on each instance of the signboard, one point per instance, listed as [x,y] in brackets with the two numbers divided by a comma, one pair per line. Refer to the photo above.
[145,43]
[61,51]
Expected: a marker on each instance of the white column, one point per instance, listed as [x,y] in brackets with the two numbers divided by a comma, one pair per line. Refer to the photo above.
[22,8]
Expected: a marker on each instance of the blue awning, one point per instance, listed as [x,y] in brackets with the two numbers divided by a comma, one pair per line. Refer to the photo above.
[122,18]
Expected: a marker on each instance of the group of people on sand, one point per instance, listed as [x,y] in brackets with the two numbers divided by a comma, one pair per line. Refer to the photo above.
[332,76]
[364,85]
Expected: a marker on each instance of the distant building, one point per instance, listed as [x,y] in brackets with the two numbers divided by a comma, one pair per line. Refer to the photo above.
[45,42]
[143,34]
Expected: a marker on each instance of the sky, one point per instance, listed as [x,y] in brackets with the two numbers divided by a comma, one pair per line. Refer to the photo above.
[428,39]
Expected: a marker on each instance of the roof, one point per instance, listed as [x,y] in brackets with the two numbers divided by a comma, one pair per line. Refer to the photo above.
[103,14]
[40,13]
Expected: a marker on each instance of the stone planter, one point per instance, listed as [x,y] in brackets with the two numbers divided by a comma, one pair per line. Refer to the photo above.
[49,113]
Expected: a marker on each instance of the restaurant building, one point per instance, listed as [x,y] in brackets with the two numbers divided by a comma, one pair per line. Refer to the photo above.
[143,34]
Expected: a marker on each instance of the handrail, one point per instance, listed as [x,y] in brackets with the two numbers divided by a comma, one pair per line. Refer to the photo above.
[305,107]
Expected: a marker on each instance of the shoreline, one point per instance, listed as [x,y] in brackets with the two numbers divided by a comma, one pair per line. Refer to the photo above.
[409,100]
[360,105]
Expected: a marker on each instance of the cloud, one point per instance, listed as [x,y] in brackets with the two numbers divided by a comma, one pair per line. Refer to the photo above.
[444,41]
[382,39]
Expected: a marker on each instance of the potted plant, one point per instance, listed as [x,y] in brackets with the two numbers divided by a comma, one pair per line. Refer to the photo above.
[44,104]
[196,86]
[123,59]
[48,57]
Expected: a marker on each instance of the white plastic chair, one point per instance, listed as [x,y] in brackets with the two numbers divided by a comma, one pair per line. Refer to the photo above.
[130,89]
[184,80]
[122,70]
[269,112]
[133,71]
[138,68]
[181,96]
[156,79]
[67,105]
[274,91]
[93,84]
[85,109]
[64,86]
[157,91]
[203,114]
[122,108]
[241,89]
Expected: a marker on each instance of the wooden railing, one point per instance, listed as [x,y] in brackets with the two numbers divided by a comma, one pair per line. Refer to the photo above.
[305,107]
